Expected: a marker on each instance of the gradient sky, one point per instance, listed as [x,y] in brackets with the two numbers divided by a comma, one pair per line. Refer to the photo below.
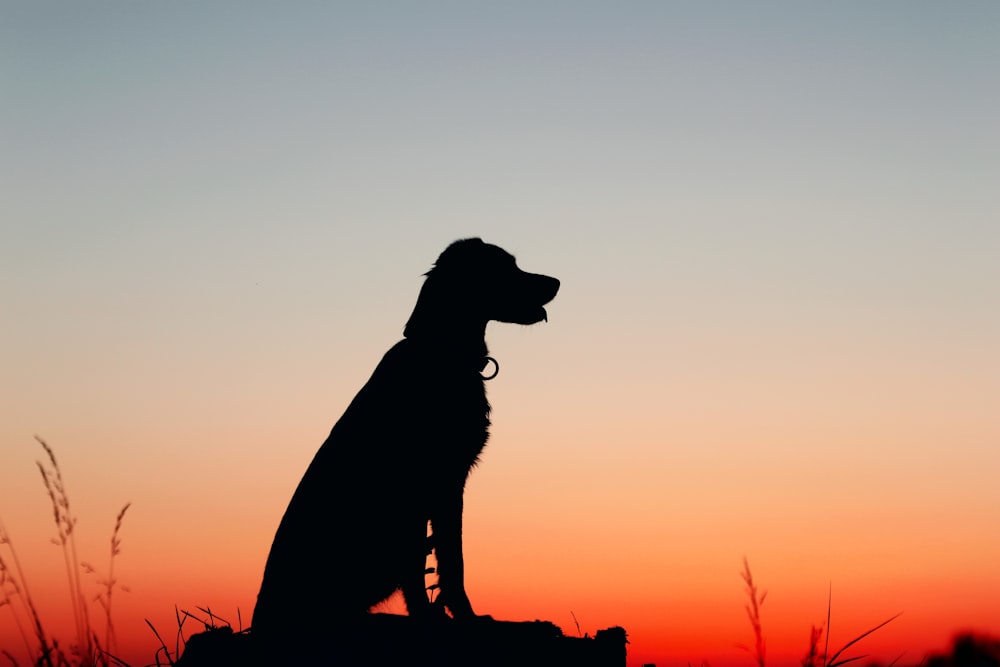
[776,225]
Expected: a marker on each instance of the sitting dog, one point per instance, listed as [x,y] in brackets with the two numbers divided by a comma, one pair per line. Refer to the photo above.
[356,529]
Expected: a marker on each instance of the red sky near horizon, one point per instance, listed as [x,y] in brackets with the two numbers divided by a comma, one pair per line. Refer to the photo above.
[776,338]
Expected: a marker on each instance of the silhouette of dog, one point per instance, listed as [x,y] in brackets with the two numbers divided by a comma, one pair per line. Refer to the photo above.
[356,528]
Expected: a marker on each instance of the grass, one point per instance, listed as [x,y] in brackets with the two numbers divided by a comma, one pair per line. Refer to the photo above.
[211,624]
[759,649]
[87,649]
[813,657]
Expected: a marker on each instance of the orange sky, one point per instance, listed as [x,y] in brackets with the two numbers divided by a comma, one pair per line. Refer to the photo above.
[776,337]
[655,547]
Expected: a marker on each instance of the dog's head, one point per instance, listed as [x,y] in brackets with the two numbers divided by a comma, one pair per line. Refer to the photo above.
[476,282]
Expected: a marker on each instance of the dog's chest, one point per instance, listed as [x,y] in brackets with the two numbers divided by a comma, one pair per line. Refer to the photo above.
[454,406]
[428,410]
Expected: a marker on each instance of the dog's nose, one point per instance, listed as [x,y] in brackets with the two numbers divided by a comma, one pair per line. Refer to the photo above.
[550,288]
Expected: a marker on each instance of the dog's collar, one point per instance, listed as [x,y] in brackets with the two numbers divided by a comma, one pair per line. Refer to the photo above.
[496,368]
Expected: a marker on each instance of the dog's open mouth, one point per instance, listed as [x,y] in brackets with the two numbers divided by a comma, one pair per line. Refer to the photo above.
[527,316]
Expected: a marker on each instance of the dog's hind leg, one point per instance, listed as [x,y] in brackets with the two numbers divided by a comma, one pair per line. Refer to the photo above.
[413,584]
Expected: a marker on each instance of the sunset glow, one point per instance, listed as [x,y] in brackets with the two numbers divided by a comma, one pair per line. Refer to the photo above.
[777,335]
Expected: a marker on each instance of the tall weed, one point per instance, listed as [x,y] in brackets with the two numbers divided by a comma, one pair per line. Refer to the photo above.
[43,650]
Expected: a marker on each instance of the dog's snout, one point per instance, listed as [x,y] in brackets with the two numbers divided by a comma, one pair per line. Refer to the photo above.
[543,288]
[528,301]
[552,287]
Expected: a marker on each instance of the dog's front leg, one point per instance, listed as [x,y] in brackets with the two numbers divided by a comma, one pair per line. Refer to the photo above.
[446,530]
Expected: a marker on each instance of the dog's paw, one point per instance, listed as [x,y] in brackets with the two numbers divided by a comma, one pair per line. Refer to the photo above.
[458,605]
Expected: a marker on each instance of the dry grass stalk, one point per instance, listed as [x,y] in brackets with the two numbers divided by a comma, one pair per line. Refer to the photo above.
[753,613]
[66,538]
[163,646]
[213,622]
[14,593]
[110,583]
[833,662]
[813,658]
[14,585]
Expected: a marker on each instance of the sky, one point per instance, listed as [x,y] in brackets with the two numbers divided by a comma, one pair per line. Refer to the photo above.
[777,335]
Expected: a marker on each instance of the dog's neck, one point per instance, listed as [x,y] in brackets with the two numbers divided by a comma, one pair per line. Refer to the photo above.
[466,349]
[445,324]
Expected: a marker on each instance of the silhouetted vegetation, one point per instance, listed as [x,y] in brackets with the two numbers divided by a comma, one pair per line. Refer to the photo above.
[814,657]
[15,595]
[218,644]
